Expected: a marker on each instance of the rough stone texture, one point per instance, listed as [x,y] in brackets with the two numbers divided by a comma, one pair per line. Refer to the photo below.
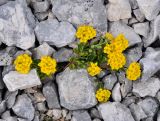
[116,94]
[63,55]
[2,106]
[51,96]
[150,63]
[119,27]
[150,8]
[129,100]
[3,2]
[158,117]
[77,90]
[43,50]
[139,15]
[57,114]
[149,106]
[10,98]
[142,28]
[132,21]
[109,81]
[55,33]
[95,113]
[80,12]
[81,116]
[23,107]
[16,24]
[115,111]
[146,88]
[118,9]
[133,4]
[40,6]
[1,80]
[137,112]
[15,80]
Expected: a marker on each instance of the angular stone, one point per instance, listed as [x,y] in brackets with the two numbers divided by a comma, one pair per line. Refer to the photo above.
[129,100]
[133,4]
[2,106]
[139,15]
[81,12]
[10,98]
[1,79]
[150,63]
[77,90]
[57,114]
[146,88]
[81,116]
[55,33]
[110,110]
[51,96]
[41,16]
[132,21]
[150,8]
[142,28]
[109,81]
[95,113]
[116,94]
[43,50]
[63,55]
[16,25]
[41,107]
[149,106]
[119,27]
[15,80]
[23,107]
[40,6]
[158,117]
[3,2]
[115,11]
[137,112]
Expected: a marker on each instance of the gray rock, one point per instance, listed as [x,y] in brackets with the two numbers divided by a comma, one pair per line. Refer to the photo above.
[149,106]
[43,50]
[5,59]
[1,79]
[148,119]
[116,94]
[40,6]
[95,113]
[5,114]
[119,27]
[41,107]
[158,117]
[81,116]
[81,12]
[57,114]
[11,119]
[139,15]
[51,96]
[142,28]
[55,33]
[132,21]
[1,96]
[23,107]
[77,90]
[129,100]
[115,11]
[16,25]
[10,98]
[15,80]
[149,8]
[133,4]
[36,117]
[63,55]
[3,2]
[41,16]
[2,106]
[137,112]
[109,81]
[133,54]
[21,119]
[150,63]
[110,110]
[96,119]
[158,96]
[7,69]
[146,88]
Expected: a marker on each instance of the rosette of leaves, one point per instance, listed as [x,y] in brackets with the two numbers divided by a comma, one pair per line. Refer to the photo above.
[89,52]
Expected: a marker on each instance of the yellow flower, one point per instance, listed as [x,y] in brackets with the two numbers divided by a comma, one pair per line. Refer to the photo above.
[134,71]
[22,63]
[109,36]
[103,95]
[47,65]
[85,33]
[116,60]
[93,69]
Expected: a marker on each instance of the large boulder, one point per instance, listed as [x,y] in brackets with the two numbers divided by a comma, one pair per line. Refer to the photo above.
[15,80]
[55,33]
[17,24]
[76,89]
[115,111]
[79,12]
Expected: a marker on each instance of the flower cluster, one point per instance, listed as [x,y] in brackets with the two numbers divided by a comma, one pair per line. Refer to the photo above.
[23,63]
[103,95]
[47,65]
[93,69]
[85,33]
[134,71]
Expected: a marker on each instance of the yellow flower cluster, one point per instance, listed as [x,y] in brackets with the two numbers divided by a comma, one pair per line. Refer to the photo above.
[93,69]
[103,95]
[23,63]
[119,44]
[85,33]
[47,65]
[116,60]
[134,71]
[109,36]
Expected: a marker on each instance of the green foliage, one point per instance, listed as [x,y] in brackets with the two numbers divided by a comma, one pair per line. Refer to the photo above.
[88,52]
[47,118]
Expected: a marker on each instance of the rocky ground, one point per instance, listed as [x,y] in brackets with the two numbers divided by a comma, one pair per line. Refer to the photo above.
[47,27]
